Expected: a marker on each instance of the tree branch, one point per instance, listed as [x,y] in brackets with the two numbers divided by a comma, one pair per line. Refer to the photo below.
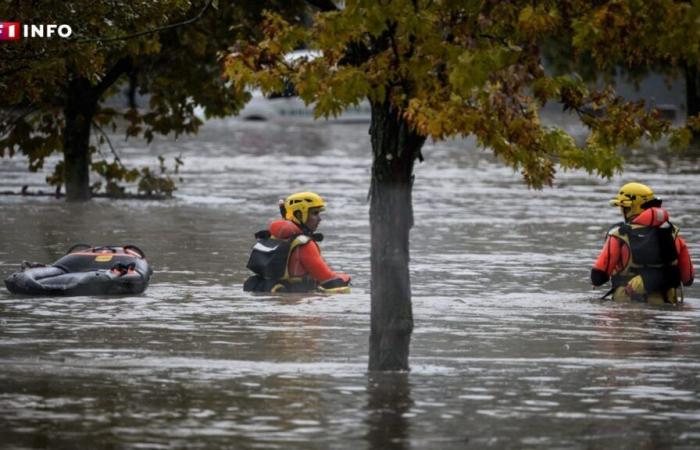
[147,32]
[122,66]
[12,123]
[117,159]
[323,5]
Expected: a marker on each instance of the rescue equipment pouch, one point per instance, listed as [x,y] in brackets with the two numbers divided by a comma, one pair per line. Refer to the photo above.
[654,253]
[269,258]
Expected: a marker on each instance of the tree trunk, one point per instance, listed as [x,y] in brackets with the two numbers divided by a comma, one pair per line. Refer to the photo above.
[395,148]
[692,94]
[81,104]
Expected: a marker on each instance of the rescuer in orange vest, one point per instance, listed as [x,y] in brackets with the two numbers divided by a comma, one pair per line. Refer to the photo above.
[287,257]
[645,257]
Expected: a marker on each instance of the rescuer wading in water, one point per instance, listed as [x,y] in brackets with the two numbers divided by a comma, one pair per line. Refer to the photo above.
[287,257]
[645,257]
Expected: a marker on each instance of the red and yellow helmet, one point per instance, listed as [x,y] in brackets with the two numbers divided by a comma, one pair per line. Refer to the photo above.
[634,198]
[302,202]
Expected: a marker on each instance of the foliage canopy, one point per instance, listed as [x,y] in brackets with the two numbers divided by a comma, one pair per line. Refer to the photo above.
[458,69]
[55,91]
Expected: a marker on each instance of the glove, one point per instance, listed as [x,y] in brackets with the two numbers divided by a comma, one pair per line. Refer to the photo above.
[598,277]
[341,280]
[635,286]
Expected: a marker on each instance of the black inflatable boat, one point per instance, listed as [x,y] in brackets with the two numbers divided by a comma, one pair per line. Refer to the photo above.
[85,270]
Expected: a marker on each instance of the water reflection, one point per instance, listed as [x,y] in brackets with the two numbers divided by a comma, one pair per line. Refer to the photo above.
[643,330]
[388,406]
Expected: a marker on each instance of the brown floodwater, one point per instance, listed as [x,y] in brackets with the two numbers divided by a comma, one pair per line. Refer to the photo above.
[512,347]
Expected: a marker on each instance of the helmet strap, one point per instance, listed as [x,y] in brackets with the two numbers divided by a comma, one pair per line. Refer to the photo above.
[626,211]
[304,229]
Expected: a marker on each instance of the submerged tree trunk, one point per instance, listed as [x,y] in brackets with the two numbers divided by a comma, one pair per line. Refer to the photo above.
[389,399]
[80,107]
[692,94]
[395,148]
[81,104]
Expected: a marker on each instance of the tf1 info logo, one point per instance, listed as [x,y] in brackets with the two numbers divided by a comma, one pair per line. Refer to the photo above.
[13,31]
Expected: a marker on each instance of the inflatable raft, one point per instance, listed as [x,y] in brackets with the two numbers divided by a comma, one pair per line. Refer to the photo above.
[85,270]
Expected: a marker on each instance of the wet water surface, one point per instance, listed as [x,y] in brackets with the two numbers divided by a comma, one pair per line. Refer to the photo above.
[511,348]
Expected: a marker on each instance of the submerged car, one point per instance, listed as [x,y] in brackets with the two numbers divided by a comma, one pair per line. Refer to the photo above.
[287,106]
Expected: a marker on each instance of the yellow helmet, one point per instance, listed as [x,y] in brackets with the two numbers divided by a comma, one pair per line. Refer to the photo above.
[301,201]
[635,197]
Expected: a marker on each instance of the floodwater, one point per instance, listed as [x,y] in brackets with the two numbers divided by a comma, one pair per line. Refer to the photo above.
[512,347]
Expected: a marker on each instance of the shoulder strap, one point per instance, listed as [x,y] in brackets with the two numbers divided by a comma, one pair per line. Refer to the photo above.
[296,241]
[675,230]
[301,240]
[614,227]
[620,231]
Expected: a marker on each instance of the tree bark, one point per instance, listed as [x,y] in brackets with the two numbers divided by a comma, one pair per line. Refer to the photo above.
[80,107]
[79,110]
[692,94]
[395,148]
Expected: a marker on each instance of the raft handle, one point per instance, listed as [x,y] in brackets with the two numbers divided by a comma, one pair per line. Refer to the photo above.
[78,247]
[30,265]
[106,247]
[135,249]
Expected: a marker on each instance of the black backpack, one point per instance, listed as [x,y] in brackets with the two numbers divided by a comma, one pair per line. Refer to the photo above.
[269,256]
